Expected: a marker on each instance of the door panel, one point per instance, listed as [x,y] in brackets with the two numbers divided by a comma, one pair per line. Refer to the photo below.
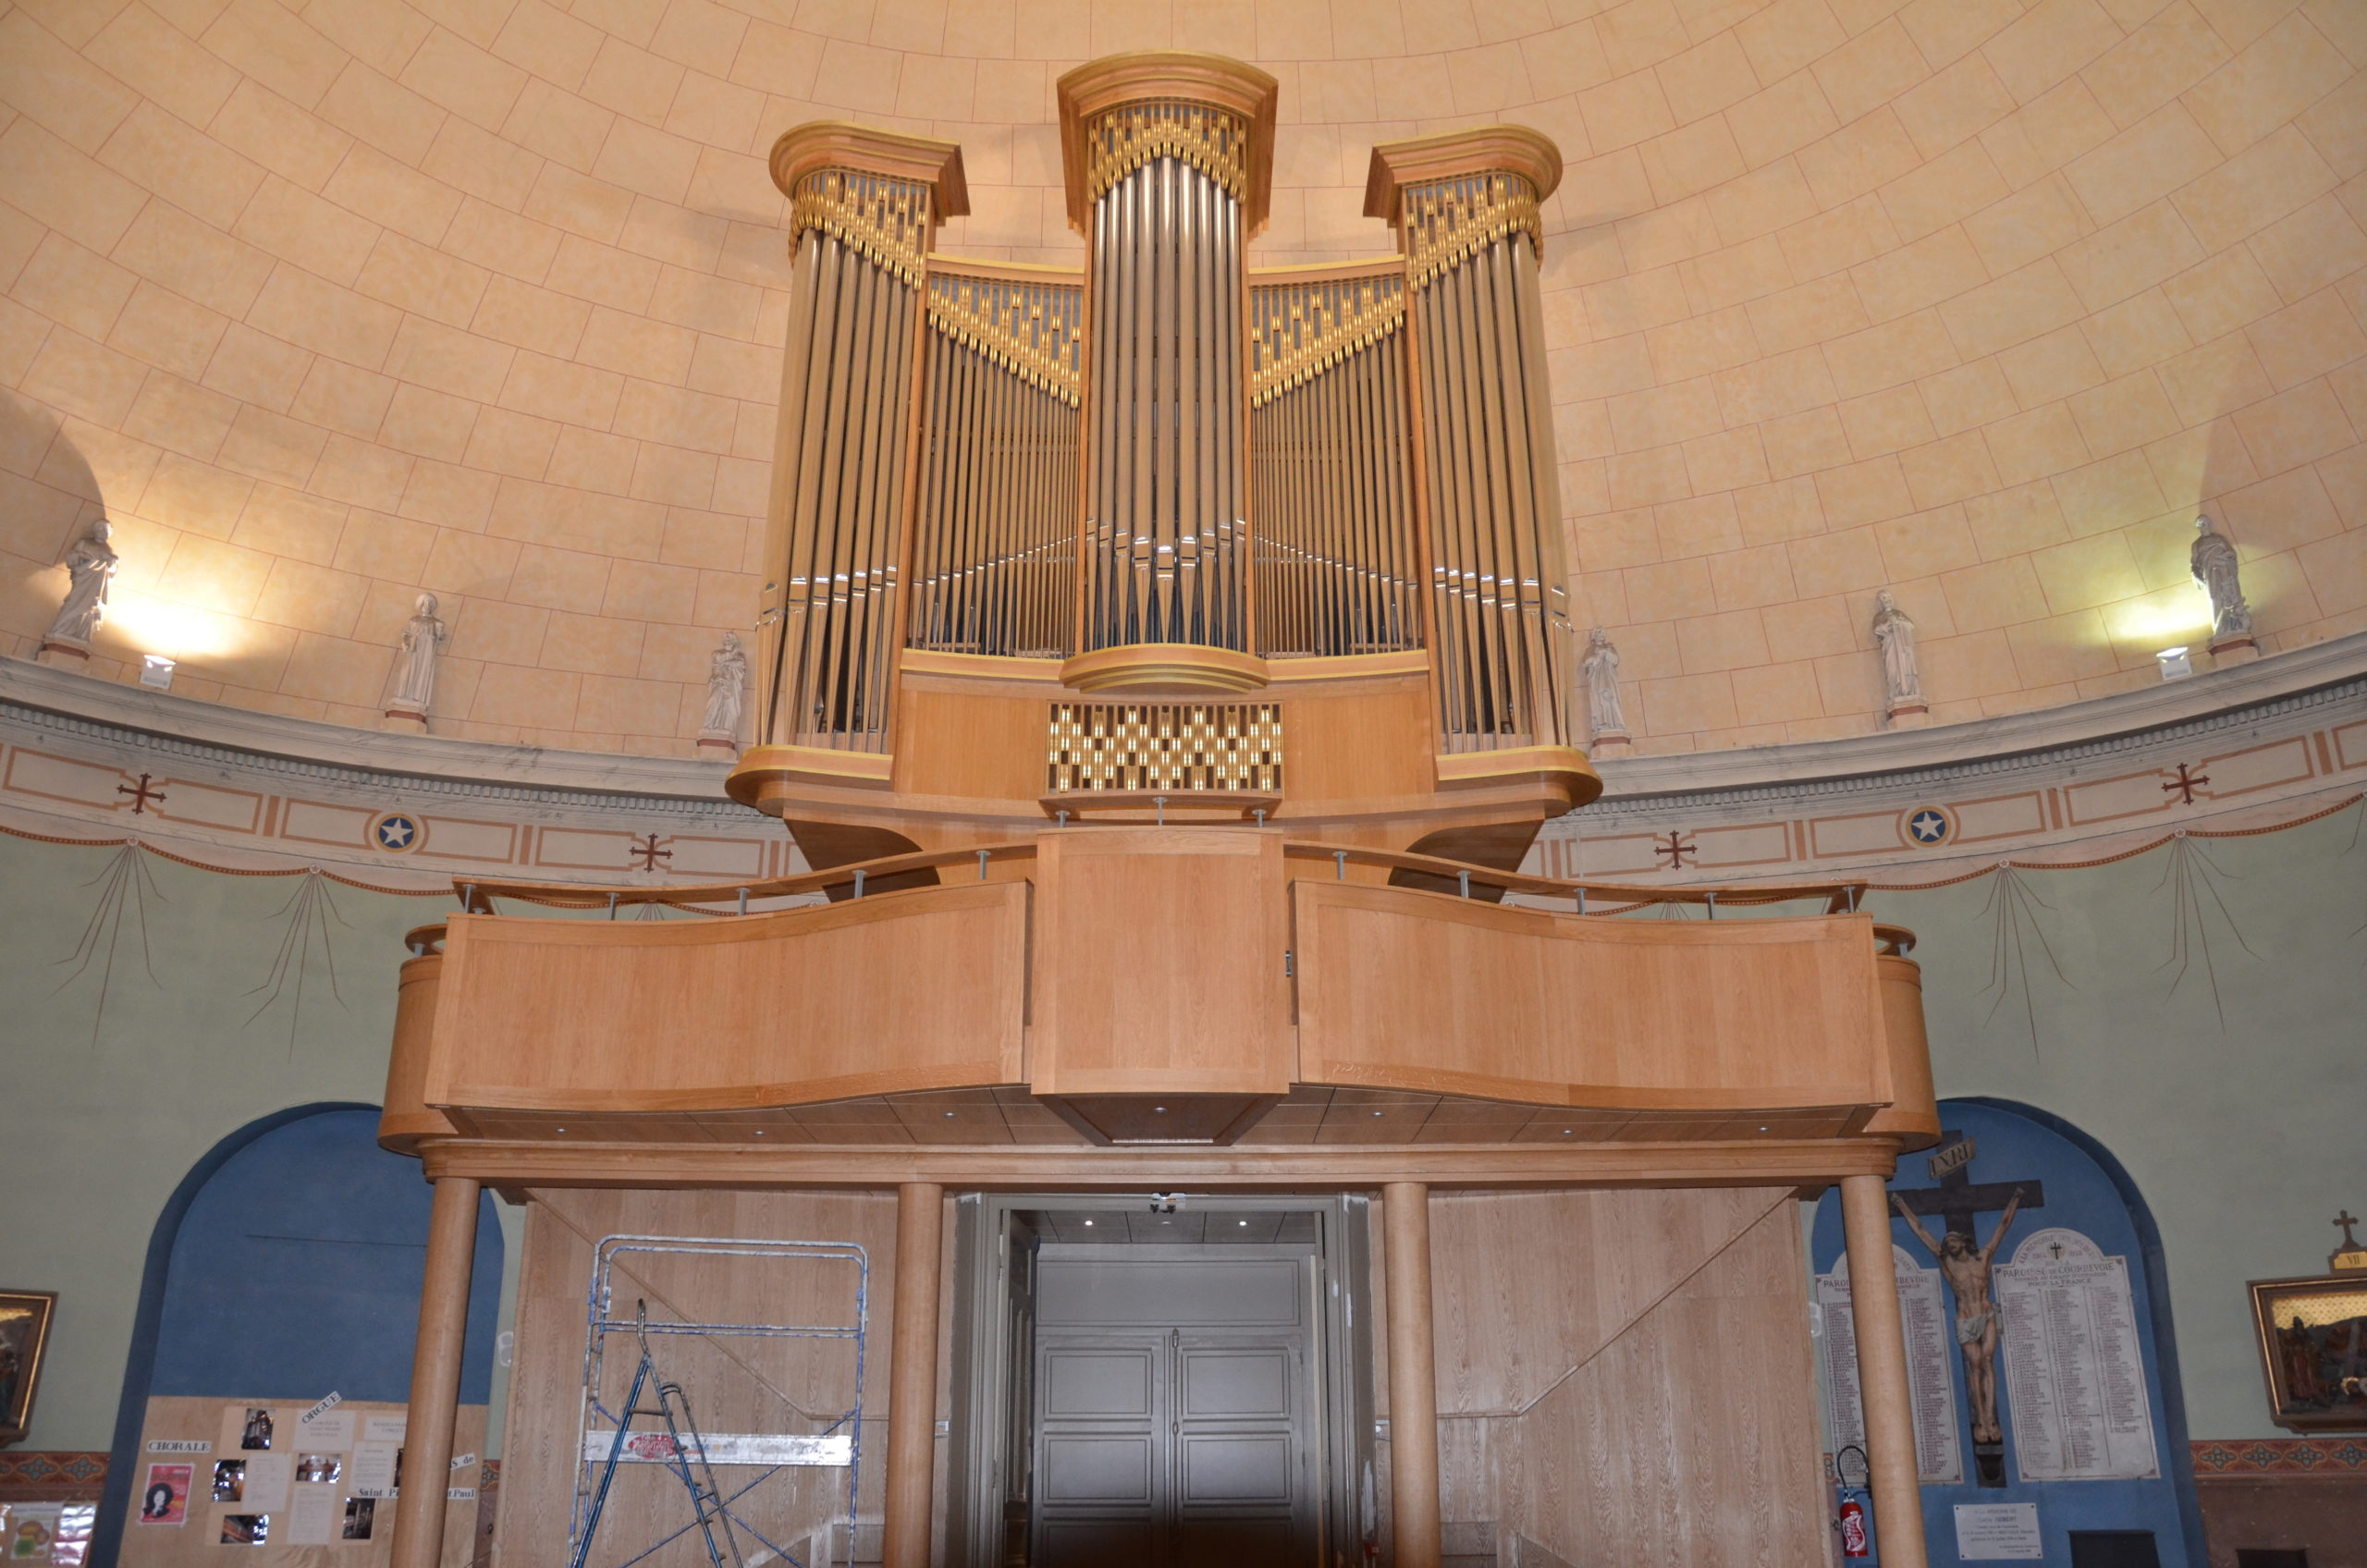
[1237,1382]
[1186,1437]
[1098,1382]
[1098,1471]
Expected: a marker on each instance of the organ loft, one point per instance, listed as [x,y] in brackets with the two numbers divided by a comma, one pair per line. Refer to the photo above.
[1165,1080]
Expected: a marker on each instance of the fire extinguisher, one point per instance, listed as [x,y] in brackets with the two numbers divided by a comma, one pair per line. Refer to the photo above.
[1856,1522]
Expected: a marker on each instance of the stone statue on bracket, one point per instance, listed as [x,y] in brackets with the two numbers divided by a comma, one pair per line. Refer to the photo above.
[90,567]
[1904,703]
[726,694]
[1605,720]
[2213,562]
[411,687]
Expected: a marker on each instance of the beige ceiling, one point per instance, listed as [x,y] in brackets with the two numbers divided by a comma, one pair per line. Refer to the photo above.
[1975,300]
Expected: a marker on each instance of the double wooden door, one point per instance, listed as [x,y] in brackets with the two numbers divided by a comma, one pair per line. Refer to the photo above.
[1176,1409]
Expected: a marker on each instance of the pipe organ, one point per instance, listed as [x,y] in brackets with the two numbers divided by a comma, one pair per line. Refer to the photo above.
[1164,674]
[1163,476]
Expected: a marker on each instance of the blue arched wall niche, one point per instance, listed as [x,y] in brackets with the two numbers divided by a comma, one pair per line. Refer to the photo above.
[286,1266]
[2086,1191]
[297,1270]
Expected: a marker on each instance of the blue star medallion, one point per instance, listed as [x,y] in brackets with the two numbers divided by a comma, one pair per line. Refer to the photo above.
[395,833]
[1928,826]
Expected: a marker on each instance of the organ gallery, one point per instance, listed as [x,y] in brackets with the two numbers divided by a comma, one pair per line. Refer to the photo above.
[1166,668]
[1314,785]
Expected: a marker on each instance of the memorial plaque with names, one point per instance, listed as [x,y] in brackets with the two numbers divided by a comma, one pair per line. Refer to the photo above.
[1939,1457]
[2075,1371]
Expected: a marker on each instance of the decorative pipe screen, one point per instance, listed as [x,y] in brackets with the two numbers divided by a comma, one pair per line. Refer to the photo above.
[831,618]
[1166,539]
[1177,746]
[994,554]
[1331,468]
[1498,592]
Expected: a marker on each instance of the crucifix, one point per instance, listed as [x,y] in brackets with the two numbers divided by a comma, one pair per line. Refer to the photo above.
[1965,1263]
[2349,1255]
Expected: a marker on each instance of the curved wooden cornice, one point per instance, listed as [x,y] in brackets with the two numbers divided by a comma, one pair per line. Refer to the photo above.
[844,144]
[1175,75]
[1487,149]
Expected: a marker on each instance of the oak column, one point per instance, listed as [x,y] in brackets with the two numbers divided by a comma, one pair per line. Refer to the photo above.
[435,1373]
[1882,1371]
[911,1377]
[1413,1376]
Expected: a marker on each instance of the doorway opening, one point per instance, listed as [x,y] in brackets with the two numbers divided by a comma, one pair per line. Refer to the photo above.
[1163,1380]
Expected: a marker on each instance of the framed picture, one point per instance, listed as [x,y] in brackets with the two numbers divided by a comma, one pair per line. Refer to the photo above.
[24,1335]
[2314,1351]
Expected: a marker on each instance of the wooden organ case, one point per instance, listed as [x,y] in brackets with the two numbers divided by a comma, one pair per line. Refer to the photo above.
[1164,668]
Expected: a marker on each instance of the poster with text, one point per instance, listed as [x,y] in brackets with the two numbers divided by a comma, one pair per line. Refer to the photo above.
[165,1500]
[2075,1376]
[1939,1456]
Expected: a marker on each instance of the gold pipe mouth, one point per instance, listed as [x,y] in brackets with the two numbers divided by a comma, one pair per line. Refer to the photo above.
[1164,670]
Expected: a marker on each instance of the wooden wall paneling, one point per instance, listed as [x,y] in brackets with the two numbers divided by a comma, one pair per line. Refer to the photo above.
[1690,1438]
[1159,962]
[1531,1284]
[1671,1015]
[197,1544]
[735,1386]
[1357,740]
[807,1005]
[959,742]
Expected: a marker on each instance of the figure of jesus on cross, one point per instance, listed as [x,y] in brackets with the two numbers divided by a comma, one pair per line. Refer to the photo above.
[1966,1266]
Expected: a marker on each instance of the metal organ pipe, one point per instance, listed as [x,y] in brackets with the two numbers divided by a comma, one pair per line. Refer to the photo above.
[1466,206]
[863,205]
[1331,492]
[1159,180]
[996,531]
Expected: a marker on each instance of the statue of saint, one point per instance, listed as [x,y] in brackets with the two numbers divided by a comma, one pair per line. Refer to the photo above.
[1601,668]
[1966,1267]
[726,690]
[1895,634]
[90,566]
[414,676]
[2212,562]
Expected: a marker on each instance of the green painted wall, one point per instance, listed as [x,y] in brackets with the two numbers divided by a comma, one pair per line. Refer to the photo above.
[151,1010]
[2202,1012]
[2065,990]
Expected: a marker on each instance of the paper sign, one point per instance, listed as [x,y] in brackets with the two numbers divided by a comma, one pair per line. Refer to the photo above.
[313,1517]
[329,1432]
[165,1500]
[179,1445]
[268,1478]
[383,1428]
[463,1460]
[328,1403]
[373,1472]
[1991,1532]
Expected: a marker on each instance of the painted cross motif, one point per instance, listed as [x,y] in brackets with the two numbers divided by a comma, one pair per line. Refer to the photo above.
[141,794]
[648,853]
[1676,848]
[2186,783]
